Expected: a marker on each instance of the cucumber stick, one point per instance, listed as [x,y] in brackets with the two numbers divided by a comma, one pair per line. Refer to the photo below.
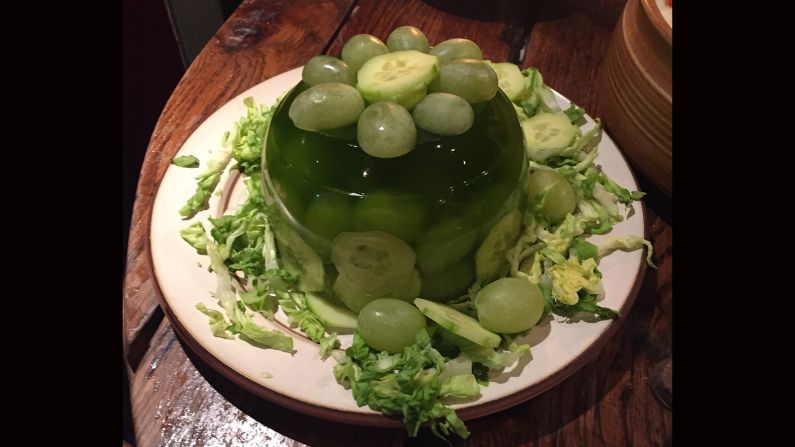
[400,76]
[458,323]
[331,315]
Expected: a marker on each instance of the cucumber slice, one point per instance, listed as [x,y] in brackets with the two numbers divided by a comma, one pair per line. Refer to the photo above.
[490,257]
[371,259]
[356,295]
[299,258]
[547,133]
[331,315]
[509,79]
[458,323]
[401,77]
[445,244]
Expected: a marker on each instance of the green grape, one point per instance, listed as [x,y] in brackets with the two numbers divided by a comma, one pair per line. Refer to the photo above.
[509,305]
[449,283]
[326,106]
[386,130]
[407,38]
[452,49]
[401,216]
[329,214]
[471,79]
[322,69]
[445,243]
[443,114]
[552,194]
[361,48]
[389,325]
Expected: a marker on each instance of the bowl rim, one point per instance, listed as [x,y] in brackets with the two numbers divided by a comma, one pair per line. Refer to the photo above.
[660,24]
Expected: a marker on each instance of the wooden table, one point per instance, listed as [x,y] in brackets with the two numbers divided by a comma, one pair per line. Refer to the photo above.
[178,400]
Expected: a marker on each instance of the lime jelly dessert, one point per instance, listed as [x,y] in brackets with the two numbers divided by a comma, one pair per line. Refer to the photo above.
[415,192]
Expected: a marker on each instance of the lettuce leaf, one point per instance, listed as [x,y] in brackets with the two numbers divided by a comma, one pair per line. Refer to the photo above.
[627,243]
[207,181]
[585,304]
[196,236]
[461,386]
[218,324]
[248,137]
[328,344]
[235,310]
[185,161]
[574,113]
[571,276]
[298,314]
[584,249]
[243,144]
[536,96]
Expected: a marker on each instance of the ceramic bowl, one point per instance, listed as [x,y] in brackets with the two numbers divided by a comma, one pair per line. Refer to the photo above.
[635,84]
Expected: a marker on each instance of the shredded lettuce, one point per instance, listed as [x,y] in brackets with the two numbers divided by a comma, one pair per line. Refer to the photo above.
[571,276]
[405,384]
[497,359]
[248,136]
[574,113]
[536,96]
[207,181]
[586,304]
[624,195]
[328,344]
[560,239]
[584,249]
[242,324]
[196,236]
[462,386]
[218,324]
[460,365]
[627,243]
[243,144]
[185,161]
[298,314]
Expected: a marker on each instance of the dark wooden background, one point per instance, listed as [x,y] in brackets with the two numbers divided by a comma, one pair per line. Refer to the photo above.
[178,400]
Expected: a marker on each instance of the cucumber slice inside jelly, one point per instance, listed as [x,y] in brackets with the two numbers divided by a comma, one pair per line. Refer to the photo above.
[401,216]
[356,294]
[449,283]
[299,258]
[371,258]
[445,244]
[490,258]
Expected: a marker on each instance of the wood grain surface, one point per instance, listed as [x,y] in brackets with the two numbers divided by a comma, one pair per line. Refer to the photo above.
[178,400]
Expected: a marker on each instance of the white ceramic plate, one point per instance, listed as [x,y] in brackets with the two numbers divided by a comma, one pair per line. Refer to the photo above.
[302,381]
